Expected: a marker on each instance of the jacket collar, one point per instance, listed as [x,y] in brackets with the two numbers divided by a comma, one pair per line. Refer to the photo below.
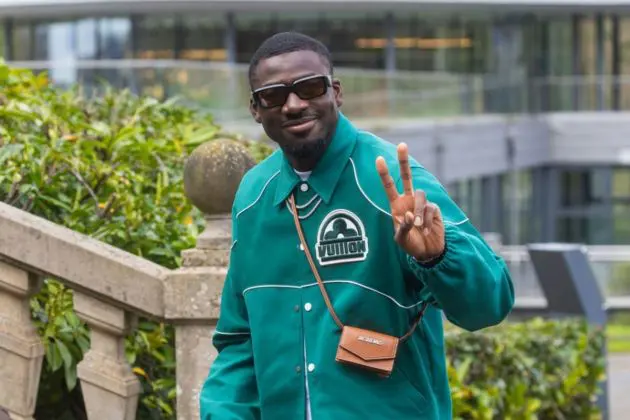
[327,172]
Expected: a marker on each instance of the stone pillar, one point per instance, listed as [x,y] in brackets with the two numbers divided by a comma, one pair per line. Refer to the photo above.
[21,349]
[193,293]
[110,389]
[192,298]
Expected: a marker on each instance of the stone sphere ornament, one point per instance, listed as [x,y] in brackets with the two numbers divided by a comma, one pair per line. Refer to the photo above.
[212,174]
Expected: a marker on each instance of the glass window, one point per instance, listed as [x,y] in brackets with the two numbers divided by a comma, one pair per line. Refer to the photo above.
[582,187]
[86,39]
[203,38]
[589,66]
[351,38]
[115,38]
[560,58]
[624,67]
[23,41]
[354,39]
[475,211]
[428,44]
[55,42]
[461,195]
[621,223]
[560,47]
[251,30]
[155,37]
[592,230]
[516,195]
[2,40]
[621,184]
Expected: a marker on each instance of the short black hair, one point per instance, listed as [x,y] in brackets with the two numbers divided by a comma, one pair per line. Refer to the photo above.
[286,42]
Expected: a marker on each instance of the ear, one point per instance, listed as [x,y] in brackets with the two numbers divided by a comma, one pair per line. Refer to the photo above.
[253,109]
[338,92]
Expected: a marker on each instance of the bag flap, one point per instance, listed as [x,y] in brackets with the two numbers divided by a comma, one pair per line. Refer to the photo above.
[368,345]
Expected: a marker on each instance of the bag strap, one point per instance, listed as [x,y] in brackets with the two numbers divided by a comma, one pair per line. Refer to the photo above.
[321,283]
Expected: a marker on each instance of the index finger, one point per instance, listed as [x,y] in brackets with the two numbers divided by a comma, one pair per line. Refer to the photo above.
[405,170]
[386,178]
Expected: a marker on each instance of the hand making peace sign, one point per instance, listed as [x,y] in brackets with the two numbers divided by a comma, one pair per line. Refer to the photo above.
[418,224]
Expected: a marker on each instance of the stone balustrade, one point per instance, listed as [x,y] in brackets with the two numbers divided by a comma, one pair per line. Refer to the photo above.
[112,288]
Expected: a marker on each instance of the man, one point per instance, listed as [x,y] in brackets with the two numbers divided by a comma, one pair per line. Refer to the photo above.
[384,244]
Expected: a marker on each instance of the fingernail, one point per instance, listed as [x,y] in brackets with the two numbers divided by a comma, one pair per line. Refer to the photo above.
[418,221]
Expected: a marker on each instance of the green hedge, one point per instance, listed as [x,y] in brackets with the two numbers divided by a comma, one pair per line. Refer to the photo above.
[538,369]
[111,166]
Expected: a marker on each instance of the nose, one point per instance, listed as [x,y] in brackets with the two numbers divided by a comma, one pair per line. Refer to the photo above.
[294,104]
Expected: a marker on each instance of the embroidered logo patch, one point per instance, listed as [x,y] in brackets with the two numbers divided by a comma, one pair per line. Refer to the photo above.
[341,239]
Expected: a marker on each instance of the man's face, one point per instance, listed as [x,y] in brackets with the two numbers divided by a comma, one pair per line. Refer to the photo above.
[301,122]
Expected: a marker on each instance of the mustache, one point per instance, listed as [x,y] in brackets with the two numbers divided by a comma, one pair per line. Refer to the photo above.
[299,120]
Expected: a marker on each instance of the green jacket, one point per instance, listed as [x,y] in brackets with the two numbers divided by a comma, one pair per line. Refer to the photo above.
[275,337]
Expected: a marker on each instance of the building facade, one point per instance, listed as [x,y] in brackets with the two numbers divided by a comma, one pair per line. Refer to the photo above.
[559,53]
[398,59]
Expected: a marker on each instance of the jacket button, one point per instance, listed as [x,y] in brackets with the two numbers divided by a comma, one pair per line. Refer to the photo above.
[308,307]
[304,187]
[311,367]
[296,308]
[298,369]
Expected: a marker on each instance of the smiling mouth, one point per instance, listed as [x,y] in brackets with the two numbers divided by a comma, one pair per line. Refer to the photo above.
[300,126]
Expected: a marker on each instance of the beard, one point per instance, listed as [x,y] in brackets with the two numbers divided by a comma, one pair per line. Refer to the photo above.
[307,150]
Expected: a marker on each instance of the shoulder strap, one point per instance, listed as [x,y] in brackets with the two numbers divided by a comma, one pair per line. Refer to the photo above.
[321,284]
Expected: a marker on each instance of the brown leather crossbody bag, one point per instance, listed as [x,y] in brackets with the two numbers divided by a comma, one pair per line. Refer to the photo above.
[357,346]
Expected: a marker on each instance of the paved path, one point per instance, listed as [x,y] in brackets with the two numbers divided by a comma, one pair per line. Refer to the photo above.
[619,386]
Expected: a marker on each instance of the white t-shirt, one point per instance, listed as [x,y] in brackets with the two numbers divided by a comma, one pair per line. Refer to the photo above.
[303,175]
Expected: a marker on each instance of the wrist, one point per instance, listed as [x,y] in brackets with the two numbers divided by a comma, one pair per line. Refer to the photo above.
[431,260]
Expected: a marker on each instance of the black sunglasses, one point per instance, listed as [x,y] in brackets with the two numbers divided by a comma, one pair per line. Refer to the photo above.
[306,88]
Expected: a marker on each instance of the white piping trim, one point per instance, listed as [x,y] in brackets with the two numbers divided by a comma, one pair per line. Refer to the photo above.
[304,216]
[233,244]
[229,333]
[283,286]
[278,286]
[356,178]
[259,195]
[446,222]
[300,207]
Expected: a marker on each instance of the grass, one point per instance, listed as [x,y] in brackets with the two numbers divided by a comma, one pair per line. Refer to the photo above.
[618,338]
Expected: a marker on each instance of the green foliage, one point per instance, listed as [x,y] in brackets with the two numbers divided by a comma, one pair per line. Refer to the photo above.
[109,166]
[65,340]
[532,370]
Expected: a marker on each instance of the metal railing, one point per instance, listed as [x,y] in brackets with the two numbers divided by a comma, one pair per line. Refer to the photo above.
[223,89]
[610,264]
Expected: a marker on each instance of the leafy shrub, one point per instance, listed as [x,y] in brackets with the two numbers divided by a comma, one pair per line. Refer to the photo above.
[109,166]
[532,370]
